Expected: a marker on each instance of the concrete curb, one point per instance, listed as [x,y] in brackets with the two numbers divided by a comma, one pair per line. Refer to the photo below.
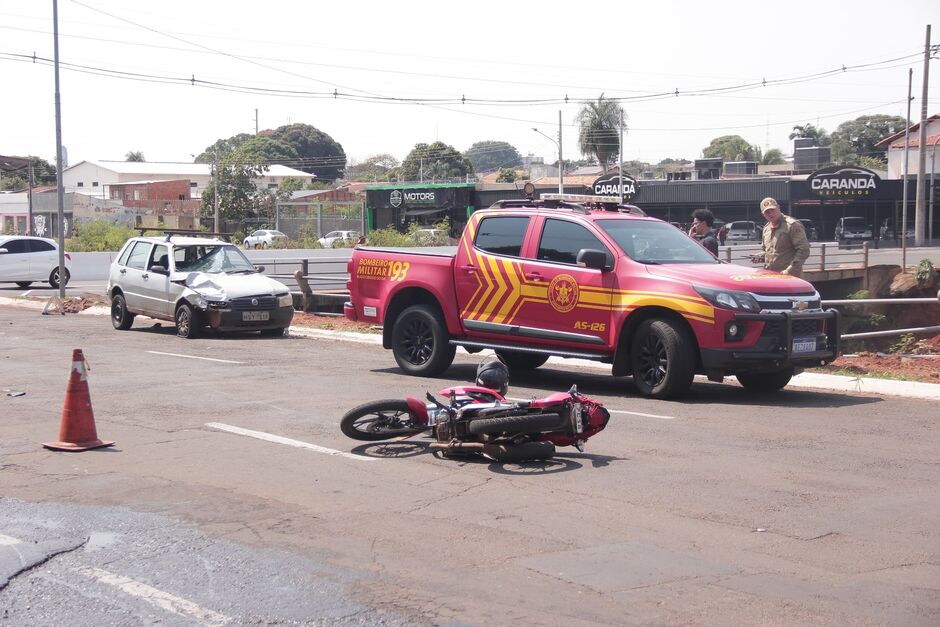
[808,380]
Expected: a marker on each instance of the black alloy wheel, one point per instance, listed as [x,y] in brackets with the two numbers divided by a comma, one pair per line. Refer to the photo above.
[420,342]
[663,358]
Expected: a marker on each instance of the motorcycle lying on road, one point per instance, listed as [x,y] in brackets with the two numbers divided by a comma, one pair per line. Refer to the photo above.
[480,421]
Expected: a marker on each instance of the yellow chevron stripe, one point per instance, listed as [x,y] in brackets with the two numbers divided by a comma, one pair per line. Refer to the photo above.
[475,308]
[514,293]
[500,287]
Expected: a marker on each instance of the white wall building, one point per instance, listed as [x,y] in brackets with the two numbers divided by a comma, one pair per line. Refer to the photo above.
[94,178]
[895,147]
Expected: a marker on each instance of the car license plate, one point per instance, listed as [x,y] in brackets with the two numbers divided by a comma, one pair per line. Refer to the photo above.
[255,316]
[804,345]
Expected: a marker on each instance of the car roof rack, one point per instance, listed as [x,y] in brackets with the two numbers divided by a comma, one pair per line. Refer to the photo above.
[192,232]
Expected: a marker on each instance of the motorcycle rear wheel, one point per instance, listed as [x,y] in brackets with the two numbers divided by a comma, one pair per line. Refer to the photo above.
[527,451]
[380,420]
[511,425]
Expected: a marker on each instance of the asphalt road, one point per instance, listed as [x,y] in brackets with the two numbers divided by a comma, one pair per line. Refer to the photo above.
[805,507]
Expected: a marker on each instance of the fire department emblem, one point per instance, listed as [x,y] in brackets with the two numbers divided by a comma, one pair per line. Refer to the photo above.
[563,293]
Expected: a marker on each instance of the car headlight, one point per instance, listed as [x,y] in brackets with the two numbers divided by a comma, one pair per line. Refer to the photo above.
[285,300]
[728,299]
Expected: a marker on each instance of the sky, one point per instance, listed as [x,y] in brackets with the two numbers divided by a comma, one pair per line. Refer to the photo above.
[169,78]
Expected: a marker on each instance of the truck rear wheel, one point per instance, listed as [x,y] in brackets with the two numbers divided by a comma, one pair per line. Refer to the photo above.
[765,381]
[420,342]
[663,359]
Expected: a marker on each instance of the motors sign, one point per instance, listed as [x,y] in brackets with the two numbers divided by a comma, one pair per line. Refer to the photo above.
[609,185]
[843,182]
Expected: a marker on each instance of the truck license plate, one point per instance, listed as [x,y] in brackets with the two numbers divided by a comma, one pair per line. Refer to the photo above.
[804,345]
[255,316]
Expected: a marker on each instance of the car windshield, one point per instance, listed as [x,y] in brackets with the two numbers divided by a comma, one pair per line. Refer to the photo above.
[654,242]
[853,221]
[212,259]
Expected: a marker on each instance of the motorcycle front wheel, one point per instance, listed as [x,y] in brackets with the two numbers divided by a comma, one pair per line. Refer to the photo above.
[380,420]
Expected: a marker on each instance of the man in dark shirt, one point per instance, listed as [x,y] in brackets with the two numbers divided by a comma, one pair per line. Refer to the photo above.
[702,232]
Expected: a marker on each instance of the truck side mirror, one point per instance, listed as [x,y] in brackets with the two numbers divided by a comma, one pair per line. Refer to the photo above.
[597,259]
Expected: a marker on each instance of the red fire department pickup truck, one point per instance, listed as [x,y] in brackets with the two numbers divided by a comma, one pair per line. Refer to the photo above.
[535,278]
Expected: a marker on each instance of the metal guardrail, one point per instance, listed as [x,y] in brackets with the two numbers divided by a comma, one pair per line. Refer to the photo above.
[283,268]
[886,301]
[822,256]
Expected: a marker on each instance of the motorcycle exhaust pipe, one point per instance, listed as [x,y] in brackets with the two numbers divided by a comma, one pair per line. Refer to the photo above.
[476,447]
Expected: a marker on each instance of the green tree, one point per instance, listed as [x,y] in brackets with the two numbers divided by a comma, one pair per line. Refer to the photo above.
[853,142]
[317,152]
[819,135]
[43,174]
[239,196]
[489,156]
[599,129]
[773,157]
[435,161]
[267,150]
[222,148]
[506,175]
[731,148]
[134,155]
[376,167]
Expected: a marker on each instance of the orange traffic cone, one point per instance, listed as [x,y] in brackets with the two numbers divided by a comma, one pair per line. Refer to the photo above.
[77,432]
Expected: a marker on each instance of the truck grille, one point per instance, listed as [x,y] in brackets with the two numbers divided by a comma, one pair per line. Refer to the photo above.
[246,304]
[775,328]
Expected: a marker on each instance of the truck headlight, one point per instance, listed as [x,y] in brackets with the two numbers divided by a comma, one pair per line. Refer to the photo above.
[728,299]
[285,300]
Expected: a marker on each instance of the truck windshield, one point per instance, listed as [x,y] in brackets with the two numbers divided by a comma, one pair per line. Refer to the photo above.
[211,259]
[654,242]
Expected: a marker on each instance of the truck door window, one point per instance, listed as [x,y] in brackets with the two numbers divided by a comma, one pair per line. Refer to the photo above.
[562,240]
[502,235]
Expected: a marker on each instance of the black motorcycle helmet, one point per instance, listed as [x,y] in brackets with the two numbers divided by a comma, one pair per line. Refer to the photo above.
[493,374]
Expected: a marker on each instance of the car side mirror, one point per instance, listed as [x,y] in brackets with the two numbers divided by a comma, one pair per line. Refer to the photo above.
[3,251]
[259,268]
[597,259]
[158,269]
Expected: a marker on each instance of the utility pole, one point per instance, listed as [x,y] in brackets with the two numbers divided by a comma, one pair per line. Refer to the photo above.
[907,149]
[256,121]
[29,196]
[60,192]
[921,205]
[561,162]
[215,199]
[620,170]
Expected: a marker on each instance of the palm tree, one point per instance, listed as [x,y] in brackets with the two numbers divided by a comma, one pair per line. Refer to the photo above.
[599,133]
[134,155]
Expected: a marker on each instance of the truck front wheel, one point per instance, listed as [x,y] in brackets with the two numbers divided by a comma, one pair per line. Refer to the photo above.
[420,342]
[662,358]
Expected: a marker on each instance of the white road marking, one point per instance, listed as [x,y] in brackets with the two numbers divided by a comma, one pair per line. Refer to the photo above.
[261,435]
[636,413]
[153,596]
[223,361]
[8,540]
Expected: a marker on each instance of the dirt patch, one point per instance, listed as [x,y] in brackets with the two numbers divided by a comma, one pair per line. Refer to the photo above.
[910,368]
[332,323]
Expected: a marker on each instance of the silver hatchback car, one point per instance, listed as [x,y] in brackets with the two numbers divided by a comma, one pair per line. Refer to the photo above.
[196,283]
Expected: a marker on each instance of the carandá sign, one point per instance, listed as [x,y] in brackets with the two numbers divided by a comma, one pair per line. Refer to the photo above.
[843,181]
[609,185]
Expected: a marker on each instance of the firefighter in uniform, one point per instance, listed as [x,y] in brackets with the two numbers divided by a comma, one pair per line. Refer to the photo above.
[784,241]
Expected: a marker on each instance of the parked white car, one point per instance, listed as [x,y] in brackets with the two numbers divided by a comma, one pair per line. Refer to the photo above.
[265,238]
[332,237]
[25,260]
